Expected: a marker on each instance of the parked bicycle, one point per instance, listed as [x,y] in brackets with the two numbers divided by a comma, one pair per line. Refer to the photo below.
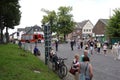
[60,67]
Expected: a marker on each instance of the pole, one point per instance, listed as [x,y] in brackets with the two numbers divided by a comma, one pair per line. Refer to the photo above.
[47,36]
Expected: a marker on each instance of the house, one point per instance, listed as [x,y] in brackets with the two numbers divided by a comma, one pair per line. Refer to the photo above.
[82,30]
[99,29]
[87,29]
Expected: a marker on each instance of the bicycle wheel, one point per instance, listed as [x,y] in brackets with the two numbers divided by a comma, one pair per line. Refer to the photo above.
[62,71]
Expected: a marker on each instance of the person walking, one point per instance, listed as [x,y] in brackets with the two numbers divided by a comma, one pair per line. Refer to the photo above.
[86,69]
[91,45]
[105,49]
[56,45]
[115,51]
[72,44]
[85,53]
[98,47]
[118,50]
[81,44]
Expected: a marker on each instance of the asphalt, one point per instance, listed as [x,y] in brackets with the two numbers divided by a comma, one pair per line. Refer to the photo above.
[104,67]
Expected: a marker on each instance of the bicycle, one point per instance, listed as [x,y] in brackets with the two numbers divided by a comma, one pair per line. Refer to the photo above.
[60,67]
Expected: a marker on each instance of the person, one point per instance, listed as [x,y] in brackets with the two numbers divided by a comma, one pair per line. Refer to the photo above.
[98,47]
[56,45]
[36,51]
[72,44]
[81,44]
[91,45]
[115,51]
[85,54]
[53,56]
[75,66]
[78,44]
[20,44]
[119,51]
[105,49]
[86,69]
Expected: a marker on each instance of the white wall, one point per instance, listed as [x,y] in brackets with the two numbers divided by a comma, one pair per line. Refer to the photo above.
[87,29]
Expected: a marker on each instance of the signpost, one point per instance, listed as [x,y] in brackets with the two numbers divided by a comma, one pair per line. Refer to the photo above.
[47,37]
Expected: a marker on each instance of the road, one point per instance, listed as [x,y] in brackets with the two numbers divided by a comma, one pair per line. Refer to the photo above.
[104,67]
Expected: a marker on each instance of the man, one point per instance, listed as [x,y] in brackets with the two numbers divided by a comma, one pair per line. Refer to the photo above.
[56,45]
[115,51]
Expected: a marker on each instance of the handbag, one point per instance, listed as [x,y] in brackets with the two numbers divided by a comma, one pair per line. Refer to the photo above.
[72,71]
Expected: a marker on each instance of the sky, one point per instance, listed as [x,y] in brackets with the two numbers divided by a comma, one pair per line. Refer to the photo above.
[92,10]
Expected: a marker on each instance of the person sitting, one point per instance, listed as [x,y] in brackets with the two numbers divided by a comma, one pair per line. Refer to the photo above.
[36,51]
[53,56]
[75,66]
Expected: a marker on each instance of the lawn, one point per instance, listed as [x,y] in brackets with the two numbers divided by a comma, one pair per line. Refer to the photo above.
[17,64]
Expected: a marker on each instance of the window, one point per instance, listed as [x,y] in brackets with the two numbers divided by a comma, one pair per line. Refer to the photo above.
[84,30]
[89,30]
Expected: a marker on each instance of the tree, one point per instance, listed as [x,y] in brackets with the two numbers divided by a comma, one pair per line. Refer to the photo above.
[9,15]
[113,28]
[50,18]
[61,23]
[65,21]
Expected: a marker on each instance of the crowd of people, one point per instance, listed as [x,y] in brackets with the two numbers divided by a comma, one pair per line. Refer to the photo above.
[81,63]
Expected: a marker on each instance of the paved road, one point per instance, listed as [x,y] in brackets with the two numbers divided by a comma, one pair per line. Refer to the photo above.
[105,67]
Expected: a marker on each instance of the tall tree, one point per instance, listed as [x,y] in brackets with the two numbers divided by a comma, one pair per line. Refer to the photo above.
[113,28]
[10,15]
[51,19]
[62,22]
[65,21]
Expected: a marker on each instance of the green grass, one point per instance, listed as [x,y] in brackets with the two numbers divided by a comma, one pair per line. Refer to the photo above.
[17,64]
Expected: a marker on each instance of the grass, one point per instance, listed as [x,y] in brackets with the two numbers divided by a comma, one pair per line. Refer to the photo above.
[17,64]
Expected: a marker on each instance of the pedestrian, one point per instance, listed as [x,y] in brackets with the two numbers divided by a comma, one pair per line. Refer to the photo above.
[81,44]
[86,69]
[105,49]
[75,66]
[119,51]
[85,53]
[115,51]
[91,45]
[98,47]
[78,44]
[72,44]
[56,45]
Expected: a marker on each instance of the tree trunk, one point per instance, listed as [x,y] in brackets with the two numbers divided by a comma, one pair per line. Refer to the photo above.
[64,37]
[7,35]
[1,36]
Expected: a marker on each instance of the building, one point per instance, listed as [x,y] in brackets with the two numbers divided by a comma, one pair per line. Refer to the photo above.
[99,29]
[82,30]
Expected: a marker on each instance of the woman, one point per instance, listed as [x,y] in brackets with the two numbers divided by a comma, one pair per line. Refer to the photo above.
[75,66]
[86,71]
[105,49]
